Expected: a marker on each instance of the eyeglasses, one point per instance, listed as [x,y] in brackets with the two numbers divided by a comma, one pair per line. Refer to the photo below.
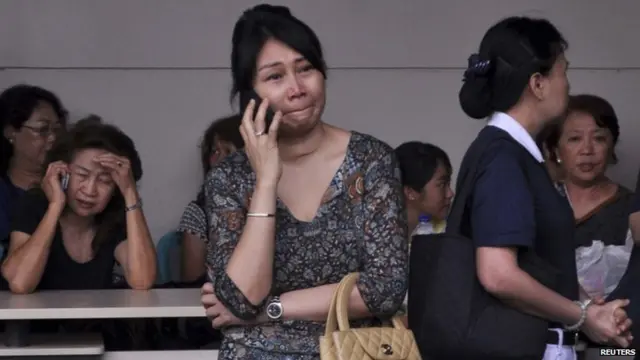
[45,131]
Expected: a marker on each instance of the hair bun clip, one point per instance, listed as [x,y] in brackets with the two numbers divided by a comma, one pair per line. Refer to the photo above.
[477,67]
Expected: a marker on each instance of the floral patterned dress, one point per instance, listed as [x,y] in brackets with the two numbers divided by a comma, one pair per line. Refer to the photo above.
[360,226]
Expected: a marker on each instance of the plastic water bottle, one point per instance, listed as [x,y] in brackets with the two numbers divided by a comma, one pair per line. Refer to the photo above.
[425,227]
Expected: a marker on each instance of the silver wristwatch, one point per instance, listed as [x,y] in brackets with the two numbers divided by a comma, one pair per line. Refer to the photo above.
[274,308]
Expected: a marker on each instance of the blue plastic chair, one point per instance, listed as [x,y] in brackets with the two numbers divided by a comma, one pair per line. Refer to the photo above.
[167,245]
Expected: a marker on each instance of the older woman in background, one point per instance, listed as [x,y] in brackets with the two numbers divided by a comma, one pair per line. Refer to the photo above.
[582,146]
[69,237]
[30,118]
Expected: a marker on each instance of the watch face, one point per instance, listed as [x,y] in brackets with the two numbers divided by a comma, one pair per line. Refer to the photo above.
[274,311]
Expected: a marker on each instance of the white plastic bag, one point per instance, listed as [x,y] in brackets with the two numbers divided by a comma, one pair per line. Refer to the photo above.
[600,267]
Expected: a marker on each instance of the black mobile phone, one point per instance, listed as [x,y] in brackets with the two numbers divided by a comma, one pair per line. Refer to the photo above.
[246,97]
[64,182]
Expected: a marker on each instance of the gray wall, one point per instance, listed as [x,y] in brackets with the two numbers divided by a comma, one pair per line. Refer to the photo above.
[159,69]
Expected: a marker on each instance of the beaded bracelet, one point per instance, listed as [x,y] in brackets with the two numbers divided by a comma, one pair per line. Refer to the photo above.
[583,315]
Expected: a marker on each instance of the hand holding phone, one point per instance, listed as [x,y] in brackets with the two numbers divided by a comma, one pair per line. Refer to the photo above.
[246,97]
[260,146]
[53,183]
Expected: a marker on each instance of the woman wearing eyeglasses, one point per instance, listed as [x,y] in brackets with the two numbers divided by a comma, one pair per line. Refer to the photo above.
[30,117]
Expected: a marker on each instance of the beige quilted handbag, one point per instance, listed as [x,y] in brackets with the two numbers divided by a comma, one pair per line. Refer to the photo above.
[340,342]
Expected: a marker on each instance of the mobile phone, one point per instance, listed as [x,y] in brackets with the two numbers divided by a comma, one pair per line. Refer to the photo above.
[64,182]
[246,97]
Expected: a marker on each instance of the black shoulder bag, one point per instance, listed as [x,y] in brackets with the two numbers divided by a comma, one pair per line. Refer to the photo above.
[450,313]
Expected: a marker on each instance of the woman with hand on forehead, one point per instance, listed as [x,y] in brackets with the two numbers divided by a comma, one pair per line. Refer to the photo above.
[71,238]
[304,204]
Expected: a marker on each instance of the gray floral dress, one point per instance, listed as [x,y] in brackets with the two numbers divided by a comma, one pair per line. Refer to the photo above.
[360,226]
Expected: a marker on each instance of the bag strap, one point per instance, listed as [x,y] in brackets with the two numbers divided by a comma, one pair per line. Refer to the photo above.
[342,300]
[467,179]
[338,317]
[342,304]
[332,318]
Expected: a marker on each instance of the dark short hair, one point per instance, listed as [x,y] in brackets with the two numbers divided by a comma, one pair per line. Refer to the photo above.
[17,104]
[227,129]
[255,27]
[510,52]
[92,133]
[595,106]
[418,163]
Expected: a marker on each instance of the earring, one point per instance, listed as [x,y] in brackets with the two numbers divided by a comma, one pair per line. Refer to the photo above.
[10,140]
[559,161]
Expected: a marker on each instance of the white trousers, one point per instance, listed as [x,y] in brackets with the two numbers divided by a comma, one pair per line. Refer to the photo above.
[559,351]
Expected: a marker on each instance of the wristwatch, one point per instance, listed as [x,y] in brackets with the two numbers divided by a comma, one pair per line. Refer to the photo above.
[274,309]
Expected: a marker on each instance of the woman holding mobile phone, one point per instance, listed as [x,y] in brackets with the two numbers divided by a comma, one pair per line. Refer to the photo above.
[30,117]
[72,239]
[304,204]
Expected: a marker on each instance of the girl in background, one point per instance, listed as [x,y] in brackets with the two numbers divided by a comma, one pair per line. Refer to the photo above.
[220,139]
[426,179]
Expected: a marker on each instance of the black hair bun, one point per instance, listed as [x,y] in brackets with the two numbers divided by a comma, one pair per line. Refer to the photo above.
[268,9]
[475,98]
[475,94]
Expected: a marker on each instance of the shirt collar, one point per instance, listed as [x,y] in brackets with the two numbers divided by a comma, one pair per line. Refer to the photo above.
[517,132]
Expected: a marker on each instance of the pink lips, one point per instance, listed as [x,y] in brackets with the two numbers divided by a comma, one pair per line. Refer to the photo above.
[586,167]
[84,204]
[294,112]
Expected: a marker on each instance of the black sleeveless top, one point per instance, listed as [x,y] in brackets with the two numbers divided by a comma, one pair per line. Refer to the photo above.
[61,271]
